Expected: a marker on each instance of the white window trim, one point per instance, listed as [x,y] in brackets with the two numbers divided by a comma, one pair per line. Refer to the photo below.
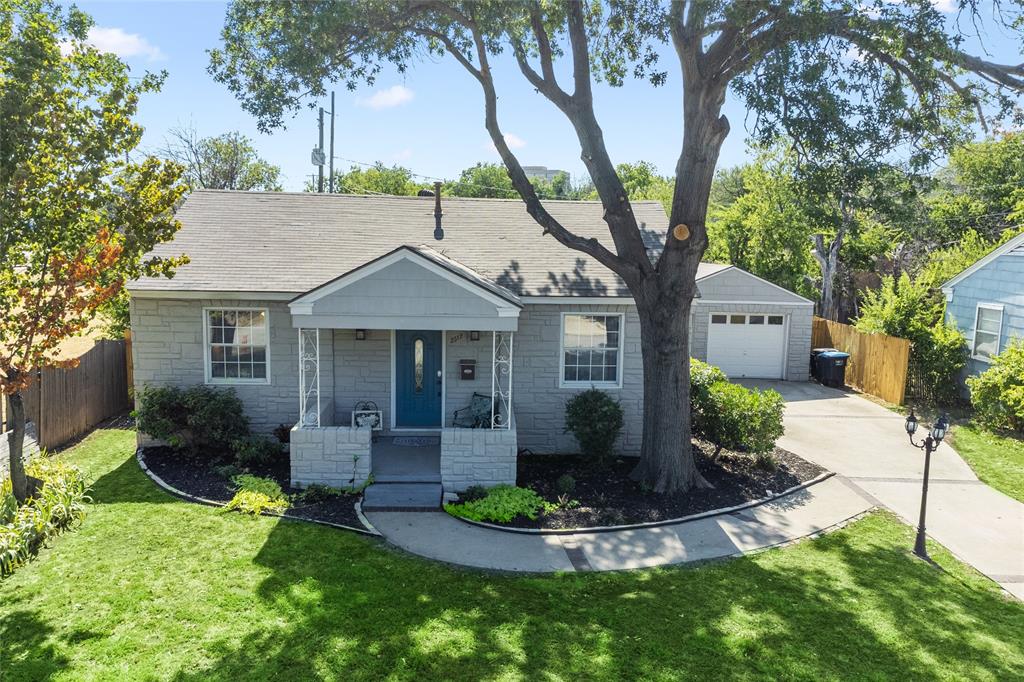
[974,333]
[562,383]
[207,364]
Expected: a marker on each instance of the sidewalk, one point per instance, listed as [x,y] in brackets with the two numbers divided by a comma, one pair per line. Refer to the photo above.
[437,535]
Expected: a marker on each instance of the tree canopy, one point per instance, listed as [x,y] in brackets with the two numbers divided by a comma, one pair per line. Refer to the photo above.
[76,218]
[227,161]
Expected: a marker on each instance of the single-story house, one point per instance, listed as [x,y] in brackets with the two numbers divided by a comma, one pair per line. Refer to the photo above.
[986,302]
[309,305]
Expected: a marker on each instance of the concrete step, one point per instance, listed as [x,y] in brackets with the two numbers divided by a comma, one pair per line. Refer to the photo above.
[402,497]
[422,477]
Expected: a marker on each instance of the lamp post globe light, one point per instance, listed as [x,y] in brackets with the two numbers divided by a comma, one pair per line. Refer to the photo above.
[930,444]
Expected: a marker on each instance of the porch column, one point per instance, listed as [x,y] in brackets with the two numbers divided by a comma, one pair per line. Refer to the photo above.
[501,380]
[309,377]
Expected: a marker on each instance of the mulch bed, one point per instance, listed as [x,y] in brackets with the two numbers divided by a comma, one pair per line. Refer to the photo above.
[200,479]
[608,497]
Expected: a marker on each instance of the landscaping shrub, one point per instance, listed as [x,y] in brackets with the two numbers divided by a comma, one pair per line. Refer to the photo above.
[702,377]
[909,309]
[997,394]
[740,419]
[227,470]
[257,495]
[565,484]
[216,418]
[200,419]
[8,503]
[473,492]
[318,493]
[937,358]
[58,505]
[249,502]
[595,419]
[256,452]
[502,504]
[283,433]
[161,414]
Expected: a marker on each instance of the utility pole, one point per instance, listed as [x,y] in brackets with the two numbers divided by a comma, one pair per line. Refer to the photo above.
[330,159]
[320,169]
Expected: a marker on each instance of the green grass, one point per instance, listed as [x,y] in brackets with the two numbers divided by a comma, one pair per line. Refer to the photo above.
[997,460]
[151,587]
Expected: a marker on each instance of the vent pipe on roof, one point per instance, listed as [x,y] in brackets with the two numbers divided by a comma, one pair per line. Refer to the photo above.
[438,230]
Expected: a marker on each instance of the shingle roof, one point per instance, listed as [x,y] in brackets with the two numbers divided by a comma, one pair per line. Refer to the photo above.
[292,242]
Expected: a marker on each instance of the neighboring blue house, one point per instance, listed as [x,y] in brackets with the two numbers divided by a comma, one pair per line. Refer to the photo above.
[986,302]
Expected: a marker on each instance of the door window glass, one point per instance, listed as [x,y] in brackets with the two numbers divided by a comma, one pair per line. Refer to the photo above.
[418,364]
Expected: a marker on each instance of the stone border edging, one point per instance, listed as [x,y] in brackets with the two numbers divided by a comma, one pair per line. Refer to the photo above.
[369,530]
[650,524]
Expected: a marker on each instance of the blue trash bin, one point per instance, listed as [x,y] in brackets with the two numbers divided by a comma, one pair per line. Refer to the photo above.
[830,366]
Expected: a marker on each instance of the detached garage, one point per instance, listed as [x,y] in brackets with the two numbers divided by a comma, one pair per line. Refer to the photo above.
[750,327]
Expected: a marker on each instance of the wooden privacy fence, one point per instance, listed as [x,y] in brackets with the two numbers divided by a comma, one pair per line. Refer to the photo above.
[878,363]
[66,403]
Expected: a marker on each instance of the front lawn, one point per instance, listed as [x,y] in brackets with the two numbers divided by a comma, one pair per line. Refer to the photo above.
[997,460]
[153,587]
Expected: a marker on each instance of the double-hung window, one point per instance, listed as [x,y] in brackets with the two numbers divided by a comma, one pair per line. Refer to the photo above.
[237,345]
[988,324]
[592,350]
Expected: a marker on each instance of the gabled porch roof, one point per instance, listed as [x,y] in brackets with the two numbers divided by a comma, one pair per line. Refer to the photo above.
[411,287]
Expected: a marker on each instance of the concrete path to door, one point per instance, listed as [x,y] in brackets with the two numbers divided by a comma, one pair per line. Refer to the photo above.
[804,512]
[867,446]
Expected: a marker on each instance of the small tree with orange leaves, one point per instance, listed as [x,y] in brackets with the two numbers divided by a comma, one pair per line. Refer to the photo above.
[77,218]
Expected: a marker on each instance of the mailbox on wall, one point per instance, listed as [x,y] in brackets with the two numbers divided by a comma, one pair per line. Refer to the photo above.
[467,370]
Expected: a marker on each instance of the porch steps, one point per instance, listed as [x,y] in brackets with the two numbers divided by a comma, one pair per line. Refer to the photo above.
[402,496]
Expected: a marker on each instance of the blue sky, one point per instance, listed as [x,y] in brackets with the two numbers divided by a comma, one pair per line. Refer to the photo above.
[429,119]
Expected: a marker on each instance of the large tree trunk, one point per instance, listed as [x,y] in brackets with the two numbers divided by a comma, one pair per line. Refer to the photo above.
[16,445]
[666,460]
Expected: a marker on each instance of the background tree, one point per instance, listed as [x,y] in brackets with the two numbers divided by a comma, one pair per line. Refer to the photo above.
[767,227]
[375,179]
[492,181]
[227,161]
[75,217]
[788,59]
[980,190]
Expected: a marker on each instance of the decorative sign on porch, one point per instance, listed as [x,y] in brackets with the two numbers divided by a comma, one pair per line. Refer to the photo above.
[366,413]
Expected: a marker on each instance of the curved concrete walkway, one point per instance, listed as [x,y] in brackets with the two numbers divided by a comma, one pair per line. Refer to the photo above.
[437,535]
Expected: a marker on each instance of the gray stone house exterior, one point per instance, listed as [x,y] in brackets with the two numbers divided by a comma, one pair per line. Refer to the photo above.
[309,304]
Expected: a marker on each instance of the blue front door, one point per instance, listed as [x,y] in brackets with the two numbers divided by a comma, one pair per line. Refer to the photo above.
[418,379]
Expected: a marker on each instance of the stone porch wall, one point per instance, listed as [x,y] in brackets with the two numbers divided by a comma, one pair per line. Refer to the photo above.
[337,456]
[477,457]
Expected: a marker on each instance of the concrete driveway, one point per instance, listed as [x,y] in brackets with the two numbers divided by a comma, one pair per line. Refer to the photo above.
[867,446]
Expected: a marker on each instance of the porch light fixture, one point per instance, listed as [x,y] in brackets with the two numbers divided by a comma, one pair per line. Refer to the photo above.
[474,336]
[360,335]
[930,444]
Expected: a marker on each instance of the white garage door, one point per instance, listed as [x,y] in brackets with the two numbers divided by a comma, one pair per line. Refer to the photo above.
[747,344]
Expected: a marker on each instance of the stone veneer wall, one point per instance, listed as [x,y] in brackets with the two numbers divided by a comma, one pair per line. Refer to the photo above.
[539,401]
[337,456]
[477,457]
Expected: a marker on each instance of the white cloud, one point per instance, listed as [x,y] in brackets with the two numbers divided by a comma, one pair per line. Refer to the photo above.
[123,44]
[403,154]
[514,141]
[945,6]
[511,139]
[394,96]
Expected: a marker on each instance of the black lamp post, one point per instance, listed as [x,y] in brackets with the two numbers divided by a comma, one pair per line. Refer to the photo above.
[931,443]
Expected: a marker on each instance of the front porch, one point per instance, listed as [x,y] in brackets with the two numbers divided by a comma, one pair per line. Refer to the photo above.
[388,390]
